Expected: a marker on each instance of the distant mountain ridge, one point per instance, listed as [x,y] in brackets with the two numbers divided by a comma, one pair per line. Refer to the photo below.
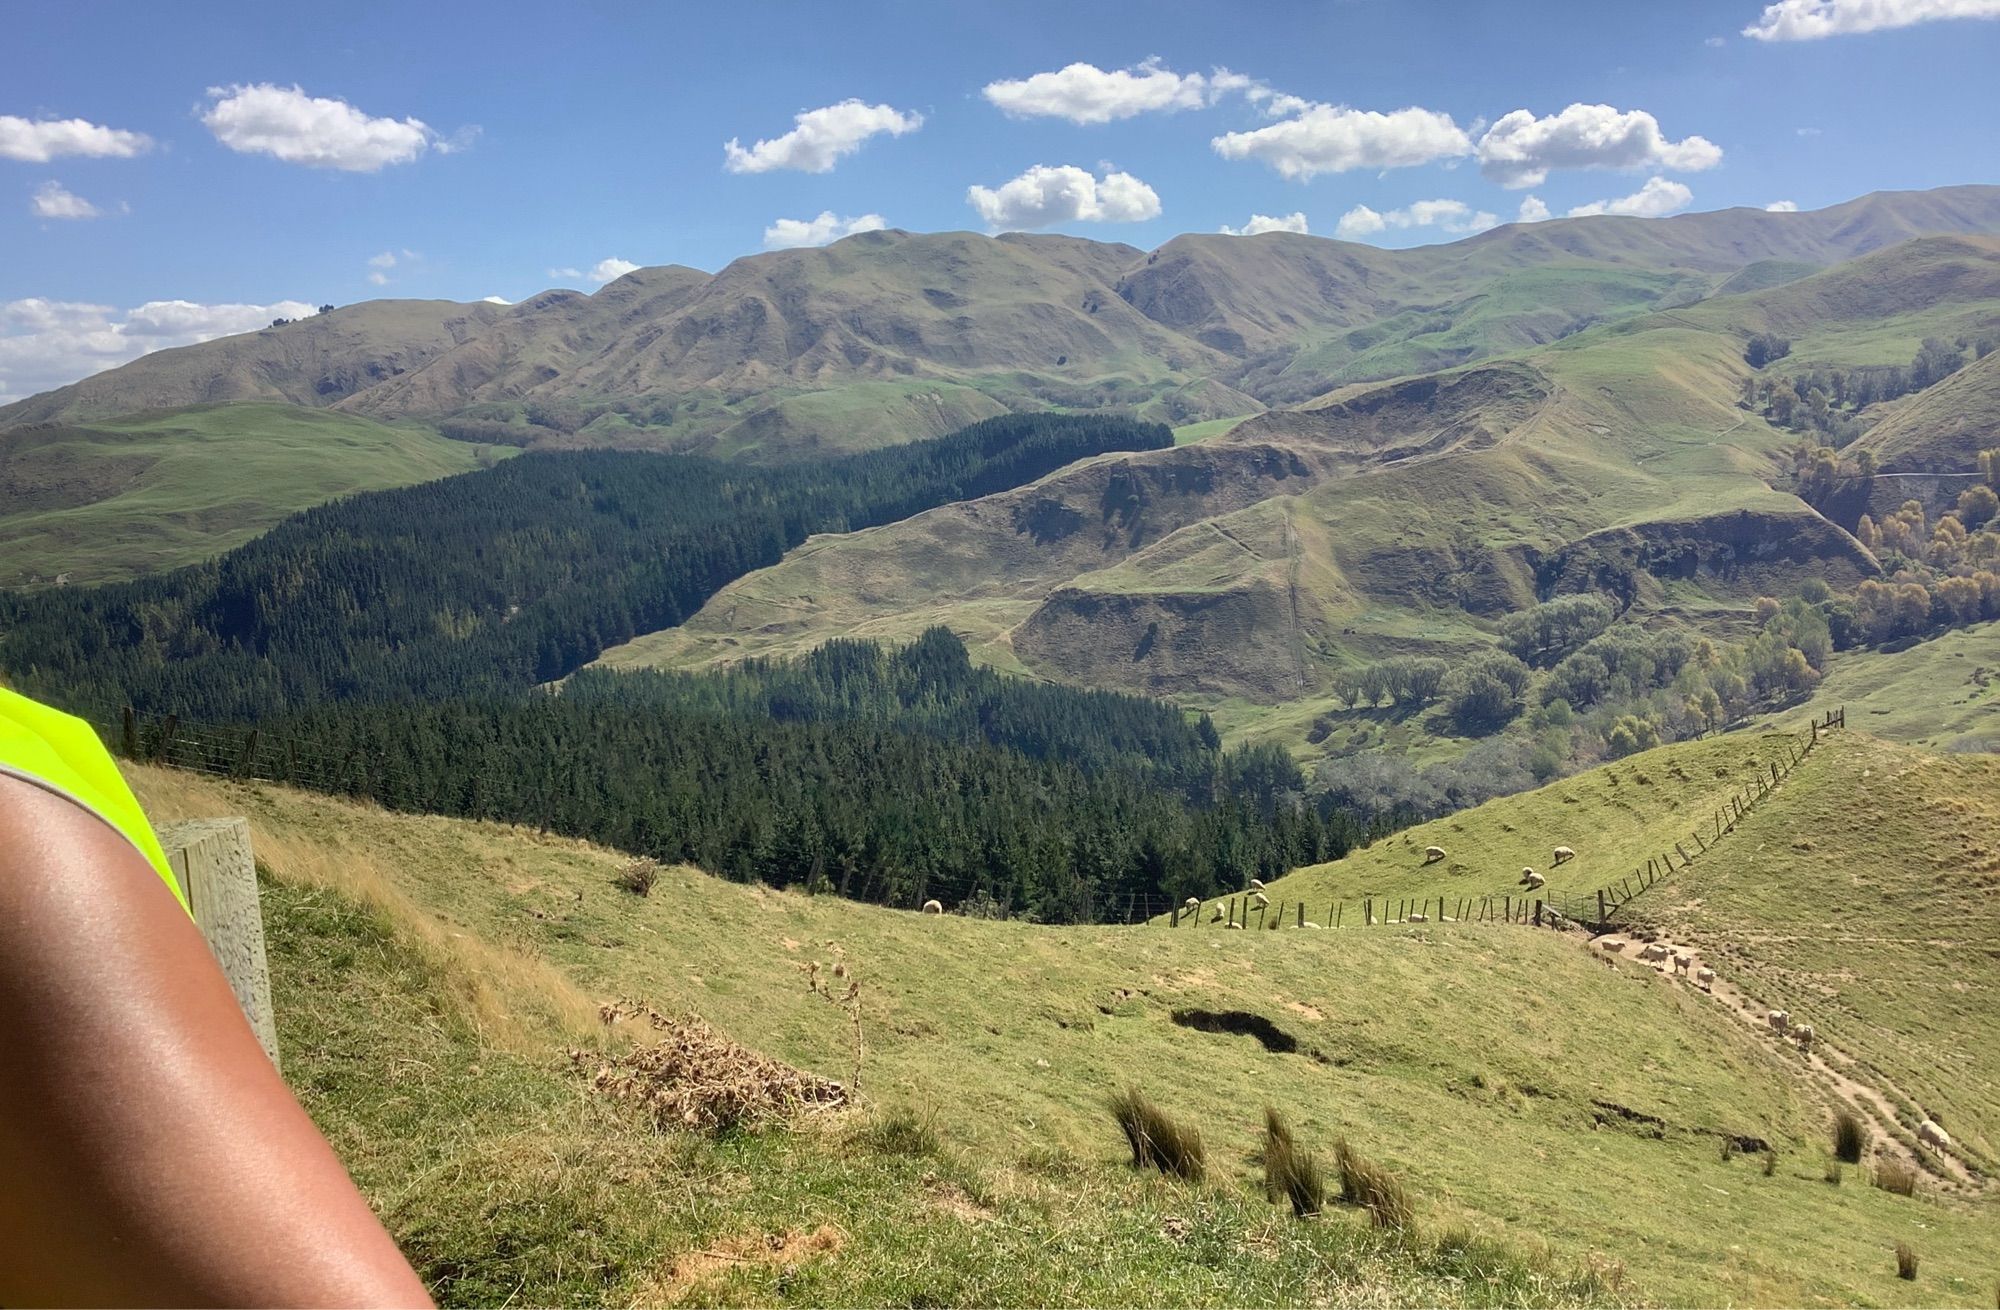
[1205,326]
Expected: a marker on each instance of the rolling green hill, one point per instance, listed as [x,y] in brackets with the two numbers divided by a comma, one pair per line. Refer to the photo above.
[1524,1091]
[120,497]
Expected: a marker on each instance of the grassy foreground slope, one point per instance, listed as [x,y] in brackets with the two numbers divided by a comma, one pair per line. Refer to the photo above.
[428,971]
[154,491]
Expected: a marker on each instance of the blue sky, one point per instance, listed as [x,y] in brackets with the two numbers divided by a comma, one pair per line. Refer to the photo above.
[560,137]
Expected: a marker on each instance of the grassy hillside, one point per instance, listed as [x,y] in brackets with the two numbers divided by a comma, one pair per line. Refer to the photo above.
[127,496]
[1943,693]
[1942,428]
[1868,904]
[1492,1068]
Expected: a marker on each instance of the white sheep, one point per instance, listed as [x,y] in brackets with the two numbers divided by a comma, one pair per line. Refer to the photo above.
[1683,962]
[1232,924]
[1259,899]
[1309,924]
[1706,977]
[1531,880]
[1256,885]
[1654,951]
[933,907]
[1563,854]
[1415,918]
[1191,903]
[1933,1135]
[1779,1020]
[1804,1035]
[1432,854]
[1615,945]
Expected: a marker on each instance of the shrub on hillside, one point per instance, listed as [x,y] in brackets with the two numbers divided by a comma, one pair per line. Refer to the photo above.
[1157,1140]
[638,876]
[1367,1184]
[1290,1171]
[1906,1262]
[1850,1136]
[1551,630]
[1482,696]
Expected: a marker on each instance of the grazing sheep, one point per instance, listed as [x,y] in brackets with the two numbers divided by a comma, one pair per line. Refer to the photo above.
[1779,1021]
[933,907]
[1931,1134]
[1259,899]
[1232,924]
[1654,951]
[1564,854]
[1531,880]
[1432,854]
[1612,944]
[1804,1035]
[1706,977]
[1683,962]
[1309,924]
[1415,918]
[1191,903]
[1256,885]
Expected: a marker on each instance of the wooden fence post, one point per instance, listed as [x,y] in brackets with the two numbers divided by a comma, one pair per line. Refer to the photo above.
[1508,907]
[1232,911]
[1538,912]
[1302,914]
[130,732]
[1602,917]
[1336,915]
[1177,918]
[1368,909]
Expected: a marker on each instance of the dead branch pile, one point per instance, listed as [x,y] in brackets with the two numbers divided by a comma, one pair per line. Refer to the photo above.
[695,1079]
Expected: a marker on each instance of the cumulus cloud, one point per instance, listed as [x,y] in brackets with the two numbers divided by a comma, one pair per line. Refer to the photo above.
[53,200]
[1812,20]
[1521,150]
[604,270]
[790,233]
[1335,138]
[496,300]
[1533,210]
[50,343]
[1452,216]
[1044,196]
[1782,207]
[286,123]
[1656,199]
[39,141]
[820,139]
[1293,222]
[1085,93]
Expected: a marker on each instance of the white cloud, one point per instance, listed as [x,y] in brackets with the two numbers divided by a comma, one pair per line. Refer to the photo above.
[387,259]
[1808,131]
[53,200]
[789,233]
[1335,138]
[1811,20]
[37,142]
[287,124]
[496,300]
[1044,196]
[1452,216]
[1716,42]
[1259,223]
[1085,93]
[1656,199]
[1534,210]
[1782,207]
[49,343]
[604,270]
[1520,150]
[821,138]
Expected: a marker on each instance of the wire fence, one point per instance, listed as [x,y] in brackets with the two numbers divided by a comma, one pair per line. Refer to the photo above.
[1596,909]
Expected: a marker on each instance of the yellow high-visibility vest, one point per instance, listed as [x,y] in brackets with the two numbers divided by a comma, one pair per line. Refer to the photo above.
[62,754]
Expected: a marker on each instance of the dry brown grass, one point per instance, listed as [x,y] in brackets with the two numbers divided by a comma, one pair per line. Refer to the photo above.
[695,1079]
[637,876]
[1906,1262]
[1290,1171]
[1896,1176]
[1367,1184]
[1157,1140]
[1850,1136]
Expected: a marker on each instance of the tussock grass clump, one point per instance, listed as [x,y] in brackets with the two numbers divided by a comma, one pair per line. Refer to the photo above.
[1290,1170]
[695,1079]
[1834,1172]
[1906,1262]
[901,1131]
[1850,1136]
[1895,1176]
[1367,1184]
[1157,1140]
[1770,1163]
[637,876]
